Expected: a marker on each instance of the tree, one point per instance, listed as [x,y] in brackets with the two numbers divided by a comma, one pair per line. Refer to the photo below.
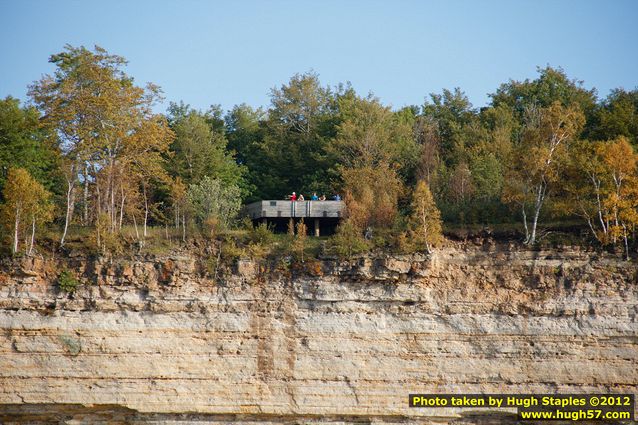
[426,134]
[179,201]
[424,223]
[602,187]
[211,199]
[459,149]
[372,195]
[245,132]
[369,133]
[200,148]
[293,152]
[552,85]
[348,240]
[616,116]
[452,113]
[621,192]
[27,205]
[298,243]
[70,101]
[585,176]
[107,130]
[537,160]
[25,144]
[461,185]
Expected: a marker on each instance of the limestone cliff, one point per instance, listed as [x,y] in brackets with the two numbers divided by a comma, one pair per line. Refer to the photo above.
[152,340]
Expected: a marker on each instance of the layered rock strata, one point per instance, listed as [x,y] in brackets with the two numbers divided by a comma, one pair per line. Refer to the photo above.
[157,340]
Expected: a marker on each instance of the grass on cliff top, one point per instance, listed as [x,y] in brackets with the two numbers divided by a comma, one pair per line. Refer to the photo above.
[258,243]
[235,243]
[81,240]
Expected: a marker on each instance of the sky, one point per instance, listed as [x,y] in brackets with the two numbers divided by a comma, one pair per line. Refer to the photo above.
[232,52]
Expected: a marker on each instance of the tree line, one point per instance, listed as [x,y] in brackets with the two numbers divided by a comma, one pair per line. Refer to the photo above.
[89,151]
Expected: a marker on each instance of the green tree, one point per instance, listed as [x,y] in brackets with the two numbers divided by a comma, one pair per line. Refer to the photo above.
[347,240]
[200,148]
[452,113]
[369,133]
[461,155]
[212,199]
[616,116]
[552,85]
[25,144]
[245,132]
[300,123]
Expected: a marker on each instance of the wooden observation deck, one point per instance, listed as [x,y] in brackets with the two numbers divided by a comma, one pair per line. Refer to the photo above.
[325,214]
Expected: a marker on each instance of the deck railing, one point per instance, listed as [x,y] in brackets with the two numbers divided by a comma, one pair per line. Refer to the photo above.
[286,208]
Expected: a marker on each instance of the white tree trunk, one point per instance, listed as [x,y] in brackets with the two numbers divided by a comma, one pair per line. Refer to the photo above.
[69,209]
[85,217]
[122,210]
[538,205]
[625,237]
[145,211]
[16,230]
[32,236]
[137,234]
[525,224]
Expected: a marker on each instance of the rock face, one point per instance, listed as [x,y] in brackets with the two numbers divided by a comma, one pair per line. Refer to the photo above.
[150,340]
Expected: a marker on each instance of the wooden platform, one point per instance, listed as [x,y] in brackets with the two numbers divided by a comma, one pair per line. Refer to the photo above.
[323,213]
[294,209]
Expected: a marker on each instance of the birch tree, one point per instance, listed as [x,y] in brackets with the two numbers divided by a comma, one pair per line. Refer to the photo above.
[425,220]
[111,139]
[602,188]
[621,191]
[27,206]
[538,159]
[72,101]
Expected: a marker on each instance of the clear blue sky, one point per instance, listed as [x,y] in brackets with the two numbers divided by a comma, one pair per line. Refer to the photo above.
[207,52]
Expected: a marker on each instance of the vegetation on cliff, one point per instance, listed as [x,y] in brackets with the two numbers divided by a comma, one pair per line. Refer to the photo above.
[91,154]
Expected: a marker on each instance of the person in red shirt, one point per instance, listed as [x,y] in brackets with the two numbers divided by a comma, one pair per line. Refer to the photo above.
[293,197]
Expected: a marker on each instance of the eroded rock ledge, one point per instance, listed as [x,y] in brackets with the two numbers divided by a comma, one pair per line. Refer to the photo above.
[153,340]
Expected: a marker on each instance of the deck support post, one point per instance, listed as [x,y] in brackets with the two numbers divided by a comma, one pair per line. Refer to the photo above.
[317,227]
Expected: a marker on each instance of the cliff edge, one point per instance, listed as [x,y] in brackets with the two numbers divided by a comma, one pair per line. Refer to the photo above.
[158,340]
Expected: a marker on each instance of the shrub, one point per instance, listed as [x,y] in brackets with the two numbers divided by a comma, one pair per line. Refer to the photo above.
[231,251]
[104,239]
[348,240]
[67,282]
[211,198]
[262,234]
